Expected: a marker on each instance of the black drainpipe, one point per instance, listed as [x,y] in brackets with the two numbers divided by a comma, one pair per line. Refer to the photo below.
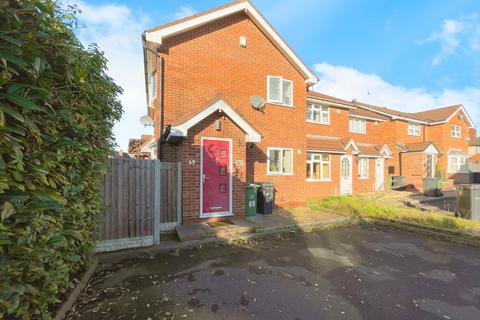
[162,109]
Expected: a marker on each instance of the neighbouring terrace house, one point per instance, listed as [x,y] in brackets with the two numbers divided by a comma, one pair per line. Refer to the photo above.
[207,77]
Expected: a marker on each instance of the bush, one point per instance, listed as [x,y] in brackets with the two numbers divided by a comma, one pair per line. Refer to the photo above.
[57,110]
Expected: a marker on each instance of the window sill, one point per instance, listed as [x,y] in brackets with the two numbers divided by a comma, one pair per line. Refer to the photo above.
[364,178]
[321,180]
[357,132]
[415,135]
[321,123]
[279,174]
[278,104]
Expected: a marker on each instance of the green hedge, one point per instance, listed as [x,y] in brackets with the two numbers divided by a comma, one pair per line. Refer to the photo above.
[57,110]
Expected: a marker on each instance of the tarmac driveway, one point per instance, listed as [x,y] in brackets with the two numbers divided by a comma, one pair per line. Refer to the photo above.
[345,273]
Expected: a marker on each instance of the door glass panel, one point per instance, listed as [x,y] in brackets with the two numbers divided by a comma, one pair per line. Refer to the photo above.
[345,168]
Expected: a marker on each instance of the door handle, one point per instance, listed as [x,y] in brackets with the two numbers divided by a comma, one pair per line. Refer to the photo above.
[204,178]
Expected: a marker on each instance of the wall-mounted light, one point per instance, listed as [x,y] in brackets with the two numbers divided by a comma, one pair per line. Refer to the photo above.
[218,125]
[243,41]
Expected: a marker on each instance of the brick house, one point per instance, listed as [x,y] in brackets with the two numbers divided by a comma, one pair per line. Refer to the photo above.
[429,143]
[207,77]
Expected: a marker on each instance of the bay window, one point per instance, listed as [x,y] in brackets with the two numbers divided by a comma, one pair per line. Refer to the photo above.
[455,163]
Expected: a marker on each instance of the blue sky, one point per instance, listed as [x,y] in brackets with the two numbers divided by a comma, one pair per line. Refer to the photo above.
[409,55]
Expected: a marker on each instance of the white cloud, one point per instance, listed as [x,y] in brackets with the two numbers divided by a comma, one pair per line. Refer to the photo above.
[456,34]
[117,31]
[184,11]
[349,83]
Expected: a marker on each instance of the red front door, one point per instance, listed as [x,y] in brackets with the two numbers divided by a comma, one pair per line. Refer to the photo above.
[216,177]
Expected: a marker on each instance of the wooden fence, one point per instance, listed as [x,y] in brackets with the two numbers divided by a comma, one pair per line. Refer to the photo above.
[141,198]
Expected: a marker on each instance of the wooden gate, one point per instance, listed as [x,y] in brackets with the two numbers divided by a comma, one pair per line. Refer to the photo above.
[141,197]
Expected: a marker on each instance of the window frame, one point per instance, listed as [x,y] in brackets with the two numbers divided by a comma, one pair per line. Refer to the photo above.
[456,130]
[363,175]
[153,87]
[414,131]
[461,160]
[282,101]
[356,119]
[321,112]
[312,161]
[279,173]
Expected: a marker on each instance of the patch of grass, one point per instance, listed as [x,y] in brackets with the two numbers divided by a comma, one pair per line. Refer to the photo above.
[374,207]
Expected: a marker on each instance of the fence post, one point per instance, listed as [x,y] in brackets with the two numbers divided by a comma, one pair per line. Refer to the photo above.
[179,194]
[156,209]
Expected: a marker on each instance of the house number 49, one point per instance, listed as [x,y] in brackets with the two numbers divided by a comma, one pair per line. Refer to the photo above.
[191,162]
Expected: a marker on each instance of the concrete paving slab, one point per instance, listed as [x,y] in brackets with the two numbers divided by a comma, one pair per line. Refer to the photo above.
[195,231]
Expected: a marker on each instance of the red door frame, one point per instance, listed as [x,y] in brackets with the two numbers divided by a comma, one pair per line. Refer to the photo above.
[217,214]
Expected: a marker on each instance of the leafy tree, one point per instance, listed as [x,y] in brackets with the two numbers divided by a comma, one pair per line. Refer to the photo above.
[57,110]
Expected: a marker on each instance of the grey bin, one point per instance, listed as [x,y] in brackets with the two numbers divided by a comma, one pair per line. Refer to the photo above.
[468,201]
[398,182]
[432,187]
[265,197]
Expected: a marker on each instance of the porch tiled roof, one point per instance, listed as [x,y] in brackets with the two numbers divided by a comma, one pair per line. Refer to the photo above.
[333,144]
[415,146]
[369,149]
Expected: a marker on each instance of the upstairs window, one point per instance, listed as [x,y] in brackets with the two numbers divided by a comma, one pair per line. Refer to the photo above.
[279,91]
[318,167]
[455,163]
[280,161]
[456,131]
[153,87]
[363,168]
[413,129]
[357,125]
[318,114]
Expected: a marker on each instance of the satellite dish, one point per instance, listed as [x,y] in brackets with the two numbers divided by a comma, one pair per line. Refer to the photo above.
[257,102]
[146,120]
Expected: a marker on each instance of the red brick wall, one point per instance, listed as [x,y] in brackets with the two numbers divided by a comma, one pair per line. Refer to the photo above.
[190,149]
[442,137]
[207,61]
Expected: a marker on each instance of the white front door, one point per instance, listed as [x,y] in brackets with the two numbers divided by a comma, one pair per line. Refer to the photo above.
[379,174]
[346,175]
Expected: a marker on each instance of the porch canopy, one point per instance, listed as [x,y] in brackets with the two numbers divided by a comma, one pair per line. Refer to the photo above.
[180,130]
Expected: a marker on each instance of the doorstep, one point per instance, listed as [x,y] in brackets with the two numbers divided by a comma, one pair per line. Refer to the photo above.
[205,230]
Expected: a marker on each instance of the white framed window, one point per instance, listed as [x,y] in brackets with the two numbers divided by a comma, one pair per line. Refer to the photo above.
[153,87]
[456,131]
[279,91]
[363,168]
[318,114]
[455,163]
[280,161]
[318,166]
[413,129]
[357,125]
